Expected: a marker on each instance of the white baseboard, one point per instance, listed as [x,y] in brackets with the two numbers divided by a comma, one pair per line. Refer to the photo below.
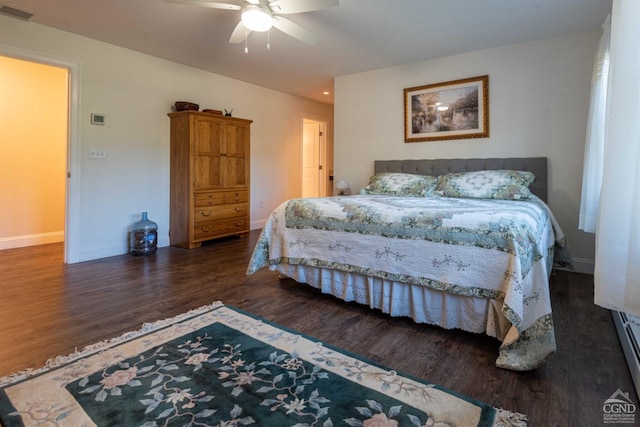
[258,224]
[102,251]
[582,265]
[31,240]
[105,251]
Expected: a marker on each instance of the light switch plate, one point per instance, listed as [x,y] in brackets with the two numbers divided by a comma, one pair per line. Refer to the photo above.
[94,153]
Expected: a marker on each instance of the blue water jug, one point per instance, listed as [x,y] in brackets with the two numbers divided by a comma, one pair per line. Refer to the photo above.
[144,236]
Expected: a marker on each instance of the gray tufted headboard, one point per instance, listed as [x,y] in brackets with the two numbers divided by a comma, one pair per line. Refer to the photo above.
[435,167]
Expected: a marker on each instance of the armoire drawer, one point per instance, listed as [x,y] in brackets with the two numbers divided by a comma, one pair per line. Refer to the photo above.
[206,230]
[239,196]
[221,197]
[209,199]
[209,213]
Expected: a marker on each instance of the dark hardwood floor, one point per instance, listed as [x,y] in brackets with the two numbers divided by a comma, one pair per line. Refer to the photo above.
[48,308]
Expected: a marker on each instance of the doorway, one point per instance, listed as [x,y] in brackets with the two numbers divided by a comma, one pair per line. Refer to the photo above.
[314,174]
[65,162]
[33,152]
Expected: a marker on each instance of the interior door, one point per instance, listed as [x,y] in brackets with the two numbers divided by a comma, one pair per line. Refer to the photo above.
[311,159]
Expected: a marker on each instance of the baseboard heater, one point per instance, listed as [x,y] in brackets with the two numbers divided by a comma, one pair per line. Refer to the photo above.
[628,327]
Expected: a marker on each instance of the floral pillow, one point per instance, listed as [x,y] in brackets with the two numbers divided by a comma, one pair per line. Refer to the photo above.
[400,184]
[486,184]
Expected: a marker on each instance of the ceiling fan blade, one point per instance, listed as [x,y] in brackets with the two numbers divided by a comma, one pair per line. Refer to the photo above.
[294,30]
[299,6]
[207,3]
[239,34]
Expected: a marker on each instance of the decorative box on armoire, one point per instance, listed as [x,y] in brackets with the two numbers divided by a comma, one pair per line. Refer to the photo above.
[209,172]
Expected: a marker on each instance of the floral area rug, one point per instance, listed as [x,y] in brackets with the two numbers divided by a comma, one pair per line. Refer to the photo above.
[218,366]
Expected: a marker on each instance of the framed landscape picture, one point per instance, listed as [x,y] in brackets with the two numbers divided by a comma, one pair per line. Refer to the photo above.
[458,109]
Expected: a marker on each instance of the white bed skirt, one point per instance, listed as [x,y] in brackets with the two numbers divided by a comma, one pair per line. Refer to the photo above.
[422,304]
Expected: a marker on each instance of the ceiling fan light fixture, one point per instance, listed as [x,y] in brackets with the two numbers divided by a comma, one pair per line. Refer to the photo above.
[256,18]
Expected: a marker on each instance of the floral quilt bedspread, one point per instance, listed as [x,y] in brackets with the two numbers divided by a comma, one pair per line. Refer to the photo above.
[497,249]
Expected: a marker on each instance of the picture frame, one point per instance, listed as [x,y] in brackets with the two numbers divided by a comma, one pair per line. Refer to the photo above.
[457,109]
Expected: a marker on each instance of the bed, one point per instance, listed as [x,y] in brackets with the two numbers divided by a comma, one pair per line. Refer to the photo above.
[460,243]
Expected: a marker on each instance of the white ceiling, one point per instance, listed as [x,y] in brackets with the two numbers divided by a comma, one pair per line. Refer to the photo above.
[356,36]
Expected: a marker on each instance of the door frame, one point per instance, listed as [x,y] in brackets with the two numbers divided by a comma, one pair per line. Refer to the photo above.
[72,190]
[323,150]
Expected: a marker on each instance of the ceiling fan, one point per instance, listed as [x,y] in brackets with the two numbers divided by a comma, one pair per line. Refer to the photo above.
[261,15]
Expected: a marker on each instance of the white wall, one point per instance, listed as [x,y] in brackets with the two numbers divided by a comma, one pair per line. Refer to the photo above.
[135,92]
[539,96]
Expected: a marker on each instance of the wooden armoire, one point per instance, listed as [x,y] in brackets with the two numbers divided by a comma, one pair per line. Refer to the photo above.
[209,172]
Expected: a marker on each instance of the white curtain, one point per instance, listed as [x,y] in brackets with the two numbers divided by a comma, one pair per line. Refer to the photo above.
[594,144]
[617,266]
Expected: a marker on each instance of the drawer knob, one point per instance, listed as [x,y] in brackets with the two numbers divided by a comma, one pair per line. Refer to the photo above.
[207,213]
[206,229]
[238,224]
